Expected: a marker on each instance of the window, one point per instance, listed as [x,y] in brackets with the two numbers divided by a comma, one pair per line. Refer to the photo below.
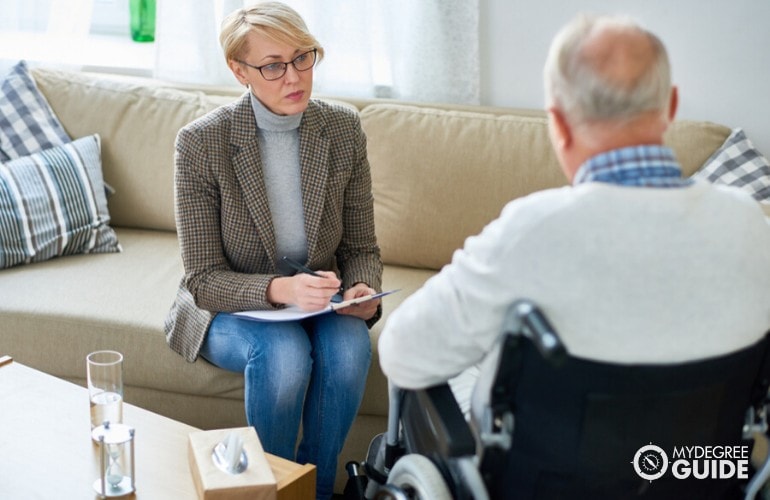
[424,50]
[110,17]
[93,35]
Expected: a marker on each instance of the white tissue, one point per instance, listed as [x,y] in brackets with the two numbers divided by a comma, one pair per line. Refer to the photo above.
[228,454]
[233,449]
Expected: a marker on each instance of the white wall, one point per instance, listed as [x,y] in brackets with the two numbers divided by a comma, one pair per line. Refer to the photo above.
[719,50]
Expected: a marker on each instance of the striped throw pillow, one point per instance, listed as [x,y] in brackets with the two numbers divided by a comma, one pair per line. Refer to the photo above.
[50,206]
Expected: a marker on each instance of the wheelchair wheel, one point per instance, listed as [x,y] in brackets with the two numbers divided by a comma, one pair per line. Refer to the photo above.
[418,479]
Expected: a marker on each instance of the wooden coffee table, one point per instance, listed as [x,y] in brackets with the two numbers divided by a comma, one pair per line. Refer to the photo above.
[46,449]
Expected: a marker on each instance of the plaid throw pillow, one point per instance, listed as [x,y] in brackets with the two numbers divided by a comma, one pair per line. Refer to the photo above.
[738,163]
[27,122]
[50,206]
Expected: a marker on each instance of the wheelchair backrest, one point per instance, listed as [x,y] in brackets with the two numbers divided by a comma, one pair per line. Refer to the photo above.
[579,423]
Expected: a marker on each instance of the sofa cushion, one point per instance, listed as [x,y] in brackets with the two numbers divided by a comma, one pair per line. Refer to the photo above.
[27,122]
[738,163]
[694,141]
[138,121]
[56,312]
[52,203]
[439,176]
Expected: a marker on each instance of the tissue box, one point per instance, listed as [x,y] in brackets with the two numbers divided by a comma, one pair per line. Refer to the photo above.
[255,482]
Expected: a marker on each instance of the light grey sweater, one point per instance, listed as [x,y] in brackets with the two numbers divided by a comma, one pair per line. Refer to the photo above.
[631,275]
[279,146]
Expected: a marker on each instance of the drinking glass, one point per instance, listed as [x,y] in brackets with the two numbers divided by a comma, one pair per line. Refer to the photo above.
[105,387]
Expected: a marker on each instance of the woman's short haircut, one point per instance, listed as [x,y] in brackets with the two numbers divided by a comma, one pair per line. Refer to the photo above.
[275,20]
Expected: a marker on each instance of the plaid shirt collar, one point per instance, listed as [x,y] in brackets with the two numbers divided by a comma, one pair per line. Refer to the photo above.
[641,166]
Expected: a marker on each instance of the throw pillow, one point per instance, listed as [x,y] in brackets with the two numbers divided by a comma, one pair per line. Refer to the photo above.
[738,163]
[50,205]
[27,122]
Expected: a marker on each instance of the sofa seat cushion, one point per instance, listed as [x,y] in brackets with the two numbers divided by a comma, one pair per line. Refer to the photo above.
[55,312]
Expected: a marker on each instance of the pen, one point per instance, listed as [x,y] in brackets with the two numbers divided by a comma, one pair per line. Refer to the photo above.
[304,269]
[299,267]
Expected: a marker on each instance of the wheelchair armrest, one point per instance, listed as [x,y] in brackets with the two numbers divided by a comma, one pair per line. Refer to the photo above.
[434,424]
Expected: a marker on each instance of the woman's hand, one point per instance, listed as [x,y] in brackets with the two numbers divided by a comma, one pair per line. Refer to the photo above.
[308,292]
[364,310]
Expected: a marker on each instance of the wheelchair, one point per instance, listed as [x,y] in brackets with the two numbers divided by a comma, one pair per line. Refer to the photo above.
[557,426]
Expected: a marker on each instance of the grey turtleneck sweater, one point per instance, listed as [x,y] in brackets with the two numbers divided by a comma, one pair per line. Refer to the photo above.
[279,147]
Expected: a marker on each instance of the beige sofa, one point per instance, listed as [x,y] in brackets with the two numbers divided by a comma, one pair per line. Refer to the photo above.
[439,175]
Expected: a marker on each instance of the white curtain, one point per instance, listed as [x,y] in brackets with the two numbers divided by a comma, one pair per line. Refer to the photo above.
[56,17]
[24,15]
[38,29]
[425,50]
[187,41]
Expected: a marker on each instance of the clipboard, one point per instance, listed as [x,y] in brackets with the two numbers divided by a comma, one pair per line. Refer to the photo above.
[294,313]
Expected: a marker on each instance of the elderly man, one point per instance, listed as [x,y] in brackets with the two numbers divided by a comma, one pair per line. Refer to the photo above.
[632,262]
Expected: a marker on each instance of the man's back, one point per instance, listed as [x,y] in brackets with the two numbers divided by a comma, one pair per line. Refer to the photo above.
[625,274]
[649,275]
[633,263]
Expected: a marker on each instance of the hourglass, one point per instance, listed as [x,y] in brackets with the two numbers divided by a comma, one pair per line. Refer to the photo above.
[116,451]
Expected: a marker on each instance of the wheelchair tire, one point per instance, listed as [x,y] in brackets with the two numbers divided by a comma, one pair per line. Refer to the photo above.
[418,478]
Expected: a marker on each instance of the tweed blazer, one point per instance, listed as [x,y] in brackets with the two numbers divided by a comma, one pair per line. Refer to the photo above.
[224,223]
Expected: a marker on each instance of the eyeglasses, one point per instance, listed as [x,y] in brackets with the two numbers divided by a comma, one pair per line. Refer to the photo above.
[276,70]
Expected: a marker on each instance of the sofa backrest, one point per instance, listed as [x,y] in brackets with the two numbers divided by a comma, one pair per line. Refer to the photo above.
[440,172]
[441,175]
[138,122]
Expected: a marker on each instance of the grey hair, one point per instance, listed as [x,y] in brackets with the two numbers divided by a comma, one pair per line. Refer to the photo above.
[584,94]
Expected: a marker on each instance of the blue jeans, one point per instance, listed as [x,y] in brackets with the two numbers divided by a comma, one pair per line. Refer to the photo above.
[314,370]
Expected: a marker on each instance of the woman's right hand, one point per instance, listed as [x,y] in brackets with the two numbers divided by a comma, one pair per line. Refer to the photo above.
[308,292]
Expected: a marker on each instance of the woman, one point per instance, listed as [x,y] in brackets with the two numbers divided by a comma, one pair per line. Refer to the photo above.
[276,174]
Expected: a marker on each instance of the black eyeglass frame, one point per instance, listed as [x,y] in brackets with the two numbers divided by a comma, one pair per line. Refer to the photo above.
[285,65]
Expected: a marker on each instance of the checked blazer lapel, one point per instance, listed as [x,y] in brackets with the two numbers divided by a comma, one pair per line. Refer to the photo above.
[313,156]
[247,164]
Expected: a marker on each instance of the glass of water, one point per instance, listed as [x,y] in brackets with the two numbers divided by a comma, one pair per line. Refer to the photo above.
[105,387]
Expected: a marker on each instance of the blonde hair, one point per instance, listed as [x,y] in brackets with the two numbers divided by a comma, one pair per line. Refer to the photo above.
[275,20]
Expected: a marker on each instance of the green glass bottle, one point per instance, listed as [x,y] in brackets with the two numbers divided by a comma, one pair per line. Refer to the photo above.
[142,20]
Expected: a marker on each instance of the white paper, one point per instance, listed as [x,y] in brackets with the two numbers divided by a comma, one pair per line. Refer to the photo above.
[294,313]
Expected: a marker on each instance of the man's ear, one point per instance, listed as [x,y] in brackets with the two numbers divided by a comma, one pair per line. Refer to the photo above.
[560,128]
[673,103]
